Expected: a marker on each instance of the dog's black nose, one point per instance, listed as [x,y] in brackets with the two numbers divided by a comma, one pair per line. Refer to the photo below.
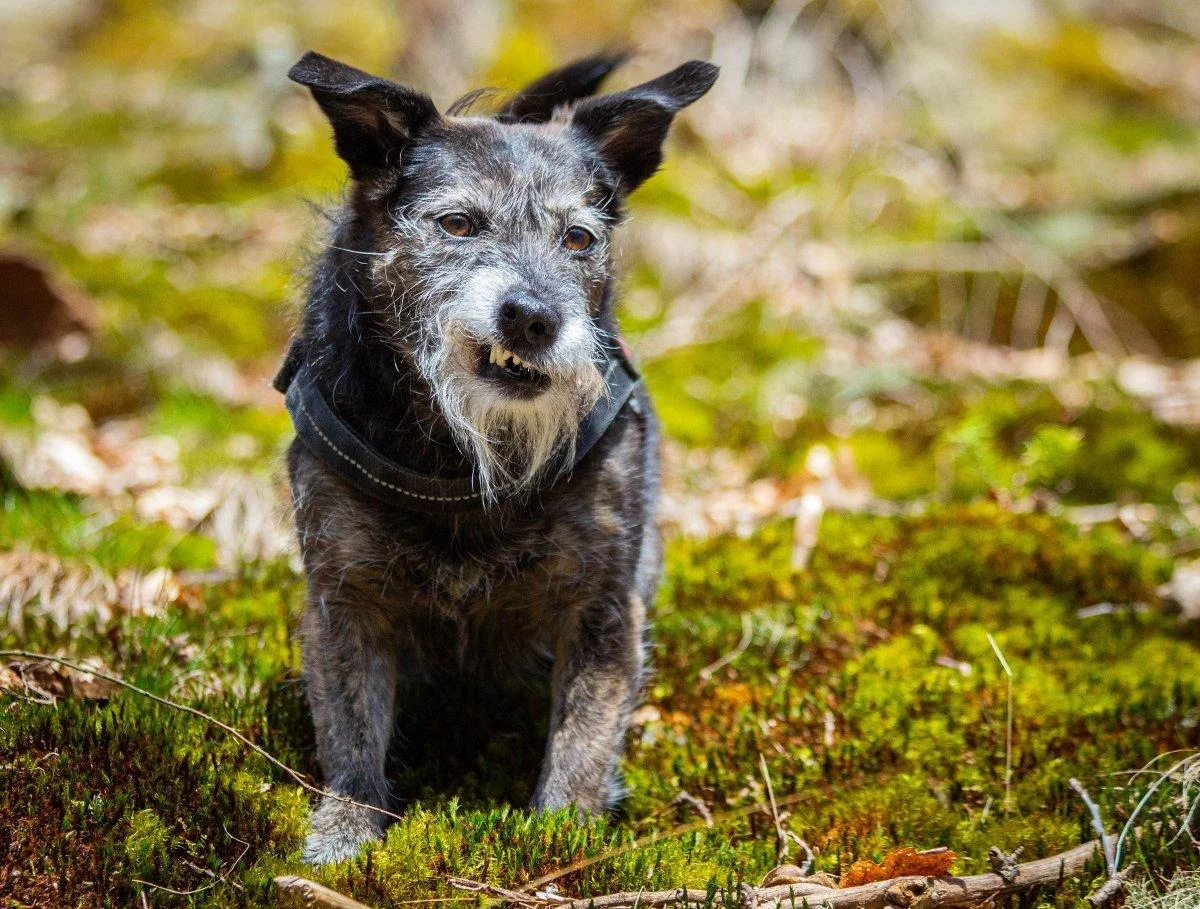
[528,321]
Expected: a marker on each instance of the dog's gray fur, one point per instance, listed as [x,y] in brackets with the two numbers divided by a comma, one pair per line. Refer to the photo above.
[552,578]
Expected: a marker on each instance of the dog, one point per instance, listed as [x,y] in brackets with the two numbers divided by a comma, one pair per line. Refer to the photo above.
[475,469]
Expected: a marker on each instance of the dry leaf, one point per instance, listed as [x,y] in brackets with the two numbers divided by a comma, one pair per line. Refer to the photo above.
[47,683]
[904,862]
[792,874]
[783,874]
[38,585]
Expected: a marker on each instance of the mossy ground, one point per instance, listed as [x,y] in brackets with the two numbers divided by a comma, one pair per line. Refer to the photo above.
[869,741]
[162,165]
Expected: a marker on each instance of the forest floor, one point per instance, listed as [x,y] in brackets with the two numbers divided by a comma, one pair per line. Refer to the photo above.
[926,422]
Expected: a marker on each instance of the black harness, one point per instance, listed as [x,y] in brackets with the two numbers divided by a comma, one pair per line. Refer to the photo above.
[343,450]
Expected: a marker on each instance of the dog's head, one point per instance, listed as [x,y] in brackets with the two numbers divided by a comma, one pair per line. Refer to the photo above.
[490,239]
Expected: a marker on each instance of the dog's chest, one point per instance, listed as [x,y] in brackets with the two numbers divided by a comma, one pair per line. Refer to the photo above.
[471,578]
[494,615]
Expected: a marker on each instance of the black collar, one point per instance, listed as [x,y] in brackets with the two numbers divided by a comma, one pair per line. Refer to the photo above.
[343,450]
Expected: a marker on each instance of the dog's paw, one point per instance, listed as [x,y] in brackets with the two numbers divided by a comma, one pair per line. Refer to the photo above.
[339,831]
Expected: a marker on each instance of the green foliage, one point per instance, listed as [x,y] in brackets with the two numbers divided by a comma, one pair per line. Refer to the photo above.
[1021,439]
[69,526]
[212,434]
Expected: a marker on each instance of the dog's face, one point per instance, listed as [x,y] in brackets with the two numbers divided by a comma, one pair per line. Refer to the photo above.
[491,240]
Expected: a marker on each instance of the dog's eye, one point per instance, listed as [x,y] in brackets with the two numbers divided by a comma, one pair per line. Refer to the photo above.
[457,225]
[577,239]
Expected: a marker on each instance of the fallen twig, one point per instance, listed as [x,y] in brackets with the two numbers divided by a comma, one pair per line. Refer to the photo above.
[649,839]
[717,665]
[781,845]
[974,890]
[222,878]
[1008,734]
[1110,860]
[509,896]
[299,891]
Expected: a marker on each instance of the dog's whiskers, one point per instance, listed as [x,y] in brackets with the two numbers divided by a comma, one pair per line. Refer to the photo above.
[358,252]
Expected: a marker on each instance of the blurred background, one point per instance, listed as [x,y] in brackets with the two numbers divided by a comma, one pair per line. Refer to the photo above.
[955,246]
[928,269]
[904,250]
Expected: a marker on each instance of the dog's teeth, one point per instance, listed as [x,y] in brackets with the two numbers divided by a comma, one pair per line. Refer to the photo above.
[516,360]
[492,354]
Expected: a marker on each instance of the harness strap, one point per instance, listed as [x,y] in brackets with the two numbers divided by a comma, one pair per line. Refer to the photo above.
[347,454]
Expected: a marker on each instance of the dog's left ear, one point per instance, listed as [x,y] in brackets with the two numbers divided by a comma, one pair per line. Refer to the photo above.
[538,100]
[627,128]
[372,118]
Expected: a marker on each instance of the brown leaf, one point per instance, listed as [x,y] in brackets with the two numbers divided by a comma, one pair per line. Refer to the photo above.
[904,862]
[38,306]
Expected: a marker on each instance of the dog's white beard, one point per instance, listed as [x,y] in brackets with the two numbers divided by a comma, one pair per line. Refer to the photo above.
[512,442]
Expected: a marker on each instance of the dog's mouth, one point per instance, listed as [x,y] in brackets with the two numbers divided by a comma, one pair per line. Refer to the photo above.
[502,366]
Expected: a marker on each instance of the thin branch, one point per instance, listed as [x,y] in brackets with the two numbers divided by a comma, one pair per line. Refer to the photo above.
[781,846]
[1008,736]
[502,893]
[642,842]
[809,858]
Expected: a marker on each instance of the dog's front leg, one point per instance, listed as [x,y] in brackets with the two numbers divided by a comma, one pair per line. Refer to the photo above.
[350,668]
[597,677]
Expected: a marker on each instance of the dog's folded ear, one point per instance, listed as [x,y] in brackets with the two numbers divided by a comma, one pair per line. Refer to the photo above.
[628,128]
[372,118]
[537,101]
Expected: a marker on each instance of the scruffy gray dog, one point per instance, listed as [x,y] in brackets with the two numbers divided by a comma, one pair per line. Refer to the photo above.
[475,468]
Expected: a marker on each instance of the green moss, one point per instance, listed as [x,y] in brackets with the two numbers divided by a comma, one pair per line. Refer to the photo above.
[147,842]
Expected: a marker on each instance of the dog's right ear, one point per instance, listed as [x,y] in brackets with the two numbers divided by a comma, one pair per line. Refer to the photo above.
[373,119]
[537,101]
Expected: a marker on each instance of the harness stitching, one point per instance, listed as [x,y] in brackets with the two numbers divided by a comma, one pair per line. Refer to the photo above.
[370,476]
